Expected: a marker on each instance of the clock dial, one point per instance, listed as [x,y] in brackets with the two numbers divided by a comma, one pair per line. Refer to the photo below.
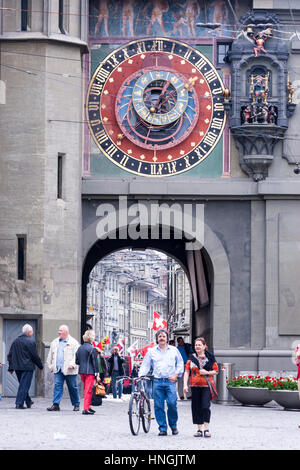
[155,107]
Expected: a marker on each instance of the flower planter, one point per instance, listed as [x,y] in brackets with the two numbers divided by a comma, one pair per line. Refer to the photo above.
[251,395]
[289,399]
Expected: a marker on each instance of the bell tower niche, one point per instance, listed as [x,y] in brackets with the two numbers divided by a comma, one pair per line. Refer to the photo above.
[260,102]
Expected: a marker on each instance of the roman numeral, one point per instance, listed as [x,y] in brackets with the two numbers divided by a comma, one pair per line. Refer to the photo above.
[111,150]
[210,76]
[200,63]
[93,106]
[102,75]
[101,136]
[217,123]
[96,89]
[124,160]
[210,138]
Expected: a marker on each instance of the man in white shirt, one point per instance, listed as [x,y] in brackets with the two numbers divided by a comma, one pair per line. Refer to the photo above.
[61,361]
[167,365]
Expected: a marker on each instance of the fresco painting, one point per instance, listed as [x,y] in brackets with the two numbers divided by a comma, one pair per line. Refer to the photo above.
[133,18]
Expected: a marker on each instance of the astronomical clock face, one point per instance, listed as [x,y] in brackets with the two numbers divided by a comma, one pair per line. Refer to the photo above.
[155,107]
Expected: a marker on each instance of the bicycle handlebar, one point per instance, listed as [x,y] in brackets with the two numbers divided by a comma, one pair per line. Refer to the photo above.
[125,377]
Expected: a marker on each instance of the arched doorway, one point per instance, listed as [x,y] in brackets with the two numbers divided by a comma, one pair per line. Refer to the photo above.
[210,318]
[127,289]
[201,317]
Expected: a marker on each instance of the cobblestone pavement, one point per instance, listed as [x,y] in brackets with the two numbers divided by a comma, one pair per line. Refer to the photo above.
[233,427]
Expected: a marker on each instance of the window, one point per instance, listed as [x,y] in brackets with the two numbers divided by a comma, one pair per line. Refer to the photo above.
[25,15]
[21,257]
[222,51]
[63,10]
[60,176]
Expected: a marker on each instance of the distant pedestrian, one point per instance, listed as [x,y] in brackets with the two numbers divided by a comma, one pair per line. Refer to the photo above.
[167,365]
[102,364]
[185,350]
[134,374]
[23,358]
[61,361]
[116,369]
[297,360]
[86,358]
[202,367]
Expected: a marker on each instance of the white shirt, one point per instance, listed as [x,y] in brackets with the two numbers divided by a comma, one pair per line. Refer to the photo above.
[165,363]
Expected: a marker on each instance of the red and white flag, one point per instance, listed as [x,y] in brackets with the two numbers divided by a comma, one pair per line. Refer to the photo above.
[159,323]
[143,351]
[133,349]
[121,345]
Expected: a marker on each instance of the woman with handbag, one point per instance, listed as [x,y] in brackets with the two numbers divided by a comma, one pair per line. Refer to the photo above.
[201,367]
[86,358]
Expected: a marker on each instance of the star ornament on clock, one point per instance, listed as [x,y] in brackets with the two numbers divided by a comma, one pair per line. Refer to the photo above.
[155,107]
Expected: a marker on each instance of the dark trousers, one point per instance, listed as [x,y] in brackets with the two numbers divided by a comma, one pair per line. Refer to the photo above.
[200,405]
[24,379]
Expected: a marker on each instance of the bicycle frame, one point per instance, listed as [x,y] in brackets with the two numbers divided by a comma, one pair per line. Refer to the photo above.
[139,406]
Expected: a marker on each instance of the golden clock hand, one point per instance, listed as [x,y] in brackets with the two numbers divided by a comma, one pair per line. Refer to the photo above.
[162,93]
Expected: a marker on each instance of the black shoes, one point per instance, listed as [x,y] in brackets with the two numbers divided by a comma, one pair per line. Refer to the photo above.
[54,407]
[20,407]
[76,408]
[164,433]
[88,412]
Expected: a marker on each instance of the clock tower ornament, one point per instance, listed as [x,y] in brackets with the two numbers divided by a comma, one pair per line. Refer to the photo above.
[155,107]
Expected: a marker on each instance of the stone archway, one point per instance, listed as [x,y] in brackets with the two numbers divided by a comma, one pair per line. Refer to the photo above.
[94,249]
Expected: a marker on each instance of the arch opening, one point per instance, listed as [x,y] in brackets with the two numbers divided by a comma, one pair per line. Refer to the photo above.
[183,269]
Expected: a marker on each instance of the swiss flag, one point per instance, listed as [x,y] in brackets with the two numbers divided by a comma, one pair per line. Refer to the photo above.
[143,351]
[159,323]
[121,345]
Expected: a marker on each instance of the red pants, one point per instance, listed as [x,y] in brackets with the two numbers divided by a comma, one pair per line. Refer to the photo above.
[88,382]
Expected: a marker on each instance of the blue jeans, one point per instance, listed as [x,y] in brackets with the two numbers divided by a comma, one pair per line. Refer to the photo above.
[24,379]
[114,376]
[149,388]
[164,390]
[59,379]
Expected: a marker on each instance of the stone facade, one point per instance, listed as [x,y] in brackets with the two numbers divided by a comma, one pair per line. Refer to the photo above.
[250,235]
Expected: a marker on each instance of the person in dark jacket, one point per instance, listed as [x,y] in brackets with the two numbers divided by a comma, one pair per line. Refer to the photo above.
[102,364]
[115,369]
[86,358]
[23,358]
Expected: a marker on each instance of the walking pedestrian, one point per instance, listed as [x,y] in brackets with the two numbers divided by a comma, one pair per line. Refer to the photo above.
[23,358]
[116,369]
[86,358]
[167,365]
[102,364]
[134,374]
[185,350]
[201,367]
[61,361]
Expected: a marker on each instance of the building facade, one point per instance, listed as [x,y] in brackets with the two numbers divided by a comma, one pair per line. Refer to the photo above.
[152,125]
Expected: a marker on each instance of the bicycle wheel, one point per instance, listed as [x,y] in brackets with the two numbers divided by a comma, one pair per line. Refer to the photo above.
[146,414]
[134,415]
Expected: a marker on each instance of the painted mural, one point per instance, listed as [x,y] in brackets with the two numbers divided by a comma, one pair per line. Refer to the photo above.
[132,18]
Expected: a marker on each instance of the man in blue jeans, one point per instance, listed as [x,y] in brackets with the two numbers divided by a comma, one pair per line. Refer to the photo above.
[115,370]
[61,361]
[167,366]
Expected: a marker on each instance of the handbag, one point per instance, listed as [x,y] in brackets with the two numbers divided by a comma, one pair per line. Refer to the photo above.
[100,389]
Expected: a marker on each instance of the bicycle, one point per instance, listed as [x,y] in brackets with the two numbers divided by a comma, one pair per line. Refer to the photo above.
[139,406]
